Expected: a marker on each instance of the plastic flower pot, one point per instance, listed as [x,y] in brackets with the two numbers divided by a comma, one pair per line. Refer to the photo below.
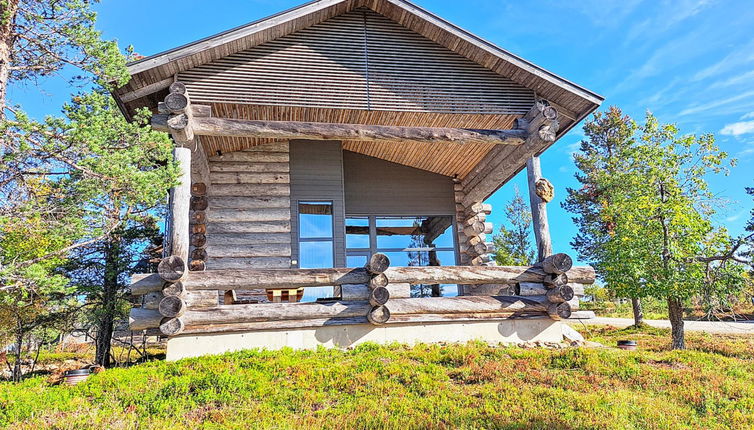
[73,377]
[628,345]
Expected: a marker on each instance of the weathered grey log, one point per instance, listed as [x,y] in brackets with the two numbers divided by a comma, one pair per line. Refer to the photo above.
[255,250]
[434,305]
[559,311]
[480,217]
[202,299]
[173,289]
[361,292]
[378,315]
[531,289]
[180,128]
[152,300]
[232,279]
[475,228]
[557,264]
[578,289]
[193,299]
[172,307]
[273,325]
[236,215]
[275,312]
[172,326]
[378,281]
[538,210]
[177,103]
[379,296]
[560,294]
[574,303]
[177,87]
[481,260]
[142,319]
[289,130]
[377,263]
[173,268]
[477,208]
[477,239]
[555,280]
[489,290]
[179,205]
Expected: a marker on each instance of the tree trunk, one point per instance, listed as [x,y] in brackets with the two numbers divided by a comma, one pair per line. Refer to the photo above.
[16,373]
[109,304]
[638,311]
[675,312]
[7,21]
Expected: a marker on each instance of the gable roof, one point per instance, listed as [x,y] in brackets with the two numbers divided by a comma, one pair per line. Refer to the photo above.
[153,74]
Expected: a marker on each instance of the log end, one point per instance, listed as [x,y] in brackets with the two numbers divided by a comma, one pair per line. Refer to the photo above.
[378,315]
[557,263]
[379,281]
[559,311]
[379,296]
[172,307]
[378,263]
[172,269]
[172,326]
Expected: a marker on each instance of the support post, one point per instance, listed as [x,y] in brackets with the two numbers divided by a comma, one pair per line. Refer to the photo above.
[179,205]
[538,210]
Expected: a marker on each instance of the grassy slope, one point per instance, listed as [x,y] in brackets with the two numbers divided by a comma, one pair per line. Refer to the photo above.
[461,386]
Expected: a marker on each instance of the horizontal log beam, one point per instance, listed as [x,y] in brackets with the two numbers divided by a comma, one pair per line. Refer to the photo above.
[240,279]
[224,127]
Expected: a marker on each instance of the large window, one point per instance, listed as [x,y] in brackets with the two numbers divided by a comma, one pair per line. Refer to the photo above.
[408,241]
[316,246]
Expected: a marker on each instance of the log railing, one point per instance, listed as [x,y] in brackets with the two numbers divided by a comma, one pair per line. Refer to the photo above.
[189,304]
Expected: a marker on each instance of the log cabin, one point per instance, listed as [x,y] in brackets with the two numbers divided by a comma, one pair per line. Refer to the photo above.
[335,159]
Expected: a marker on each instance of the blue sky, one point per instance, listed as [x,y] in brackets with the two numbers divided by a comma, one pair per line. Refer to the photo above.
[689,61]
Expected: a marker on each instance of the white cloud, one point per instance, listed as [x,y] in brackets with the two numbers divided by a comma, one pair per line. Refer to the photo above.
[748,115]
[715,104]
[735,217]
[738,128]
[738,79]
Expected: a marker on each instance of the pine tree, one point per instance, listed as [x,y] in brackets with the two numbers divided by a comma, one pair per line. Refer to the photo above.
[513,244]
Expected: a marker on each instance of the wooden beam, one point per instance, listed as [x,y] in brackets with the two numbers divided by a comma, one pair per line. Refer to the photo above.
[147,90]
[231,279]
[223,127]
[180,198]
[503,162]
[538,210]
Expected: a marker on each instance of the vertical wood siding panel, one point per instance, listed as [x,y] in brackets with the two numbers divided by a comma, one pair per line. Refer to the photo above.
[317,174]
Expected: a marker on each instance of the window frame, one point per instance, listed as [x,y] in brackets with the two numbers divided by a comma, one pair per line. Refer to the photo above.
[373,248]
[315,239]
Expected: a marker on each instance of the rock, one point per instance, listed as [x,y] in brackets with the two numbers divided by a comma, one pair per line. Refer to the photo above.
[572,335]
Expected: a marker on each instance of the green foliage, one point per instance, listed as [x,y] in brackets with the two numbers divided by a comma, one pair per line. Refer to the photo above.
[513,244]
[67,182]
[425,386]
[49,35]
[644,211]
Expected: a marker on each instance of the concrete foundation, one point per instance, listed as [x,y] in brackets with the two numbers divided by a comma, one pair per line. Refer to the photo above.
[343,336]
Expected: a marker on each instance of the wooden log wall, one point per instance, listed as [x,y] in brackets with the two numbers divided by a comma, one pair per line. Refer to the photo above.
[475,242]
[377,294]
[249,211]
[200,183]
